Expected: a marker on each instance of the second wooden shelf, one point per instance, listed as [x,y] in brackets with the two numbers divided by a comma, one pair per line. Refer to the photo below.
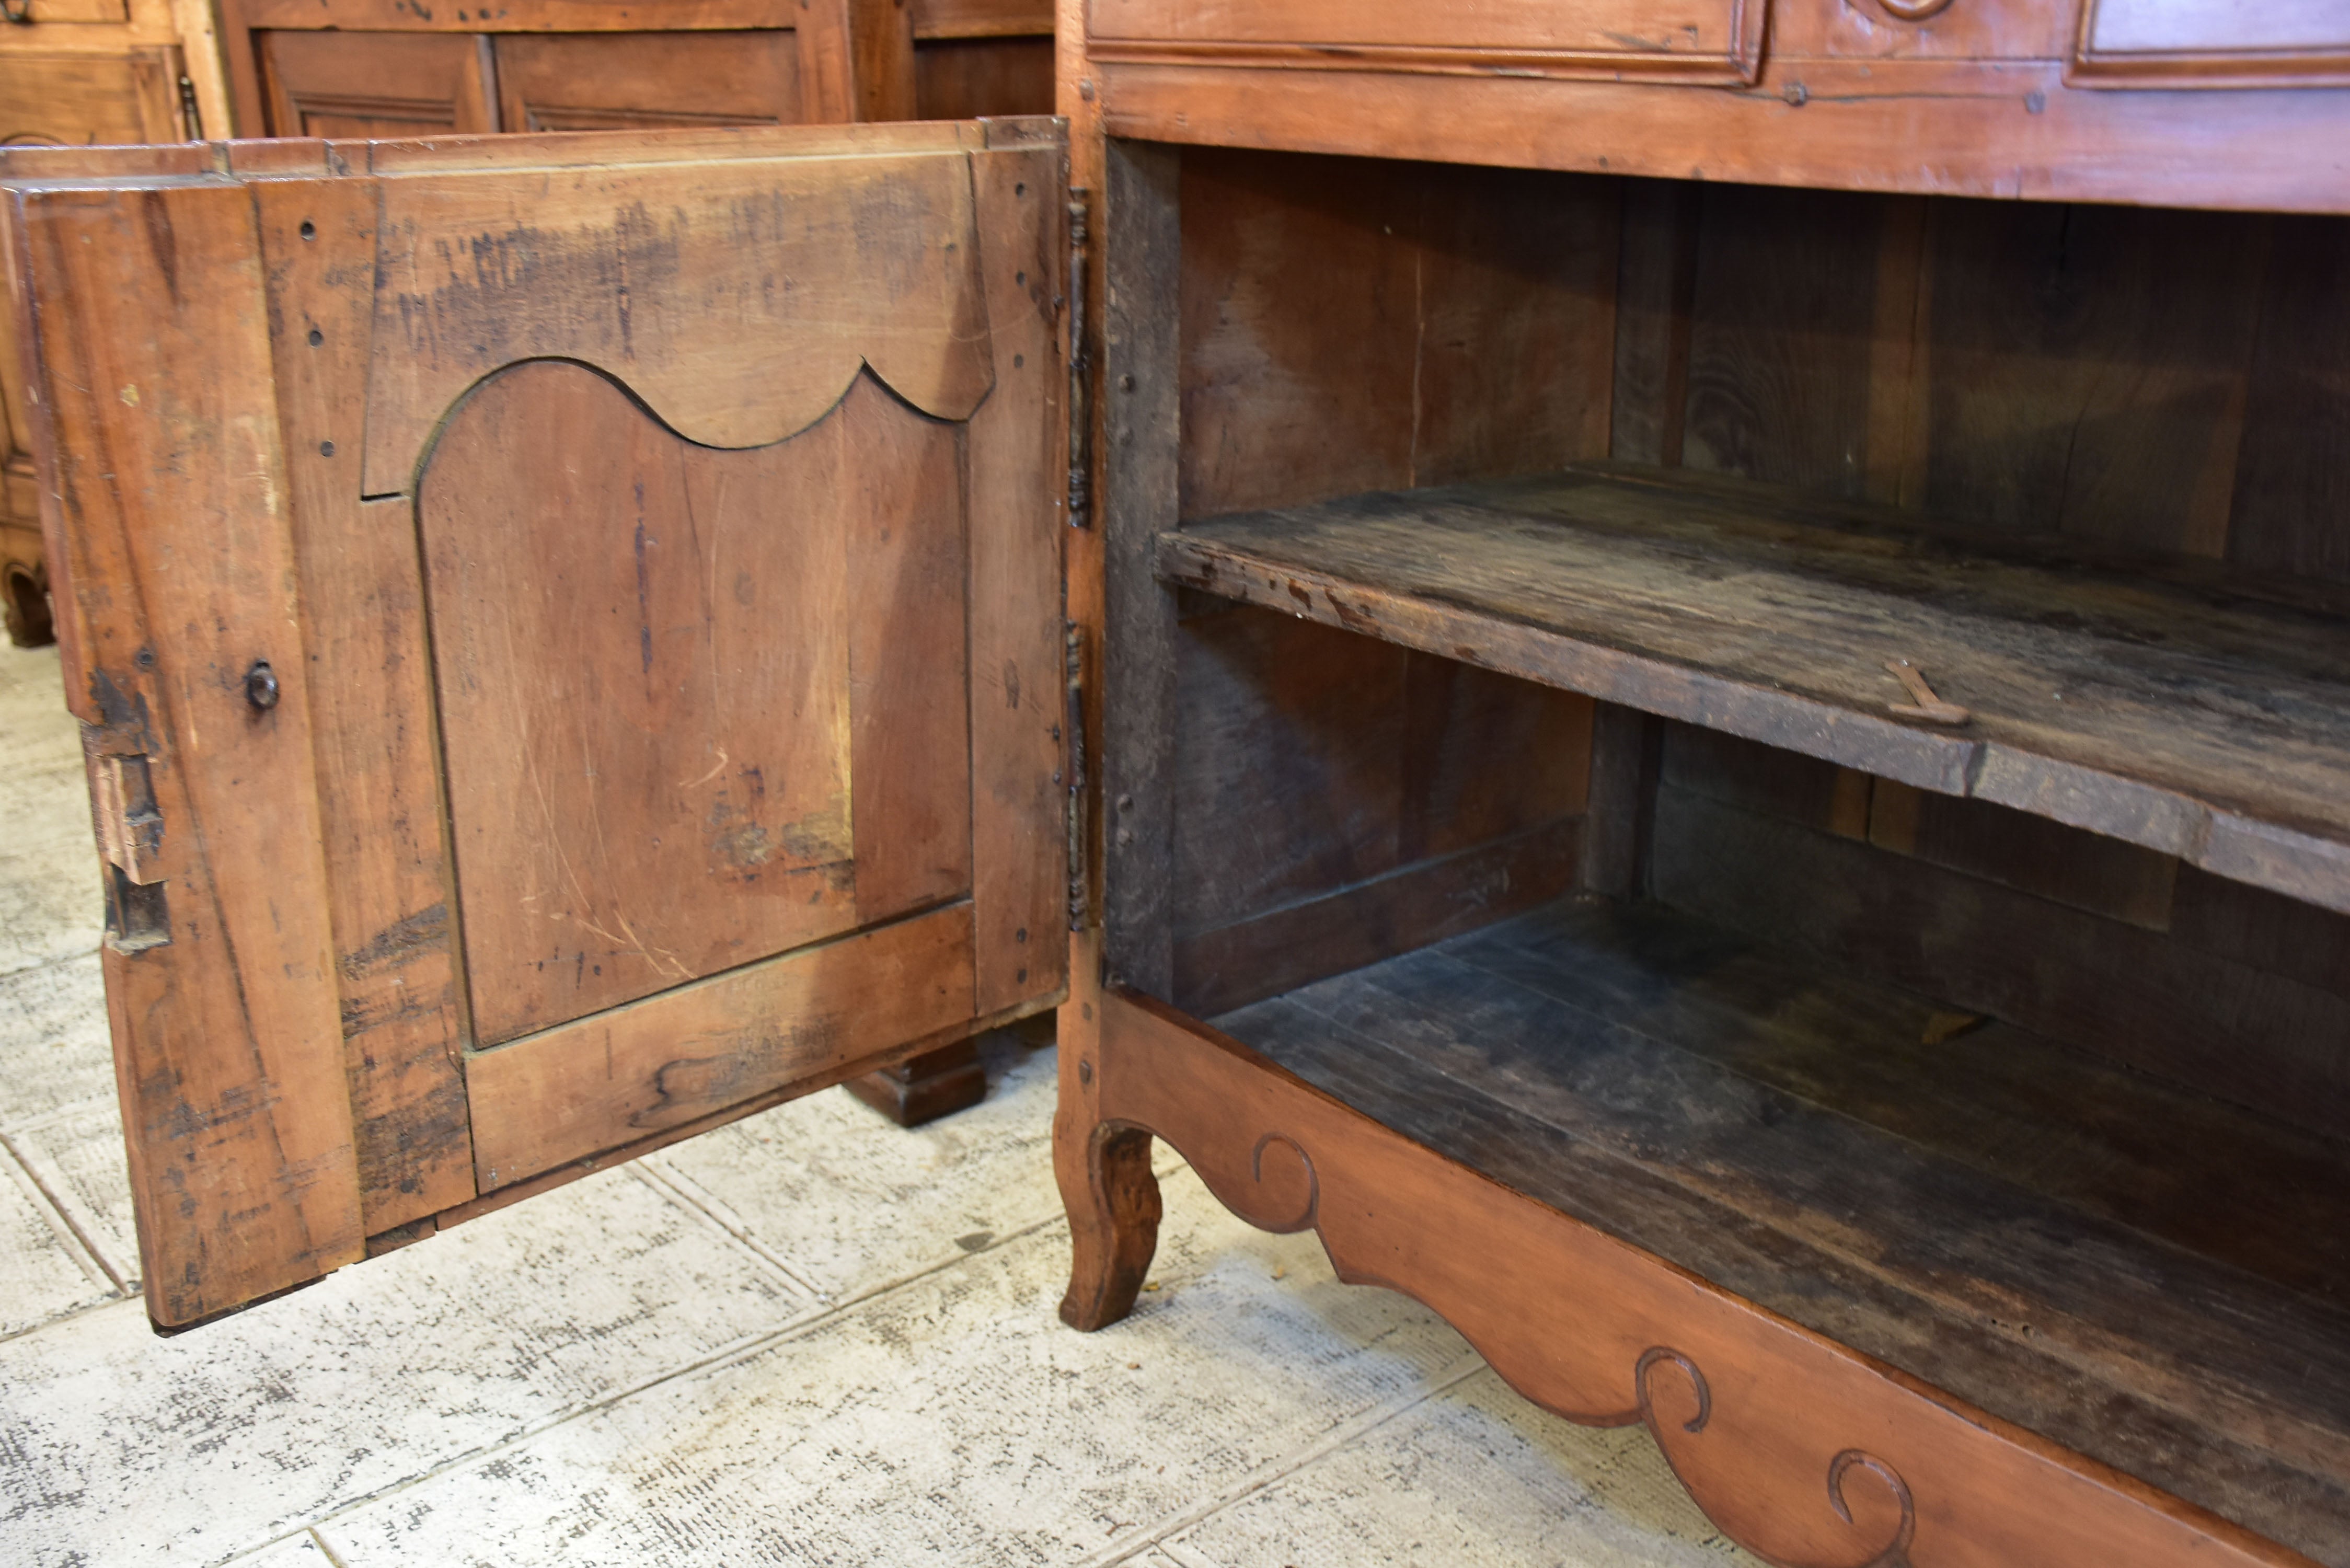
[2164,703]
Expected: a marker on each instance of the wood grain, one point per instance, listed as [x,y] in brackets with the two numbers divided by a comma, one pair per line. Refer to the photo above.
[1019,465]
[1754,1412]
[646,784]
[2225,1028]
[159,426]
[643,80]
[634,1071]
[1962,127]
[362,85]
[372,712]
[2104,697]
[690,308]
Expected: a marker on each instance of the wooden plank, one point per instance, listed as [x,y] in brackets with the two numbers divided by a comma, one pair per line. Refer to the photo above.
[1653,293]
[527,15]
[359,85]
[1783,341]
[647,785]
[1768,780]
[982,18]
[442,155]
[2077,383]
[636,1071]
[690,309]
[1346,760]
[2031,854]
[965,78]
[2293,474]
[1752,1410]
[2250,1037]
[1716,41]
[1325,933]
[1932,1187]
[1365,325]
[1141,375]
[1957,128]
[2193,713]
[629,81]
[1019,464]
[159,426]
[374,729]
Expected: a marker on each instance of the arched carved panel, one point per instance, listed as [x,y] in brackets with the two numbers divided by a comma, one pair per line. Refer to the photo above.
[699,707]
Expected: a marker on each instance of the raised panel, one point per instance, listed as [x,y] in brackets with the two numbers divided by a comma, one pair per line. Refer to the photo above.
[2213,43]
[1702,40]
[643,649]
[370,85]
[585,82]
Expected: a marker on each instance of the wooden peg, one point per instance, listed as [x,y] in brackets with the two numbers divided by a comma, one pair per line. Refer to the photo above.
[1927,708]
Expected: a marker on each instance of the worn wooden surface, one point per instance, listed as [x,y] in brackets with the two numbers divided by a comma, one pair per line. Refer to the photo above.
[882,252]
[1370,324]
[1754,1410]
[178,575]
[868,711]
[2190,713]
[1016,450]
[623,1074]
[373,726]
[1142,369]
[646,783]
[1338,800]
[607,82]
[2224,1026]
[1921,125]
[1717,1105]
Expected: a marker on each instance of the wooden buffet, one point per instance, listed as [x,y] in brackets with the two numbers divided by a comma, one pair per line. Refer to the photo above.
[1694,667]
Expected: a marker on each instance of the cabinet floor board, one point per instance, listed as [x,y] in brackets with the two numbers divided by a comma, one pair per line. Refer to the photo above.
[2162,701]
[2140,1273]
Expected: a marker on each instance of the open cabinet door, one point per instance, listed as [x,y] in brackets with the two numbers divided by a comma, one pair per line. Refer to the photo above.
[568,635]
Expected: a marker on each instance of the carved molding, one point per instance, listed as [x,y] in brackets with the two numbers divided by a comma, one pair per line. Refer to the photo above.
[1805,1452]
[739,305]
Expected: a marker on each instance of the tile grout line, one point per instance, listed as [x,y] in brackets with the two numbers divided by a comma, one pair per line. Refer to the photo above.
[85,1251]
[69,1315]
[89,1105]
[1277,1470]
[681,1189]
[741,1350]
[328,1552]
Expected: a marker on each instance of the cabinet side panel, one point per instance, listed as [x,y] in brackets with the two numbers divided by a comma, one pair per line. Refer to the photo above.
[372,710]
[1140,369]
[1019,469]
[157,426]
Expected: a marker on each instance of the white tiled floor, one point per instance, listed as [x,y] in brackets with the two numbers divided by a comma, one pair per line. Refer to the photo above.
[808,1338]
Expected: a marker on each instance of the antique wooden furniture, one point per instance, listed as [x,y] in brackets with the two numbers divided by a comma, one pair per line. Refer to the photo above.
[1521,862]
[1705,691]
[384,68]
[569,633]
[75,73]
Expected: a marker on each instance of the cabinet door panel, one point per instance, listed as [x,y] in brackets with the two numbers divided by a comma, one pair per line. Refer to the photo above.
[363,85]
[588,81]
[676,731]
[2213,43]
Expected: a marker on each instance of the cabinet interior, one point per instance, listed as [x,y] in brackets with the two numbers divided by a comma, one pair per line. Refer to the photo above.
[2055,1119]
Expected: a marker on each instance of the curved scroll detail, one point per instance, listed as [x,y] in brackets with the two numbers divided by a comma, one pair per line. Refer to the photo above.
[1897,1556]
[1296,1170]
[1649,1359]
[1914,10]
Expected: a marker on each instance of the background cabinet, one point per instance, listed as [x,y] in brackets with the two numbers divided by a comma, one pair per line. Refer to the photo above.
[86,72]
[362,67]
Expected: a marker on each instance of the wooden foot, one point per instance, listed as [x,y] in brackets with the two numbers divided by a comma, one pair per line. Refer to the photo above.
[925,1087]
[1113,1202]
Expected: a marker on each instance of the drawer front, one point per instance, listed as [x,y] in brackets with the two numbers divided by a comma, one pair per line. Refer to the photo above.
[2213,43]
[1698,40]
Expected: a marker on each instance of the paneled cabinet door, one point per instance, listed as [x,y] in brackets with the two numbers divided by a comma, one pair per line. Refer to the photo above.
[568,632]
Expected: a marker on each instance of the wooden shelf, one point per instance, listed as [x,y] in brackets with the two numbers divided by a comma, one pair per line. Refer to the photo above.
[2167,703]
[2155,1278]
